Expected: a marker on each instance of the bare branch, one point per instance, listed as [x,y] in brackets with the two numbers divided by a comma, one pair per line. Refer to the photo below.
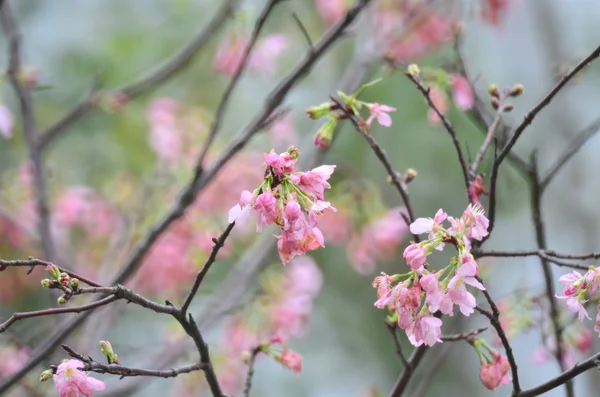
[250,373]
[393,331]
[488,138]
[149,80]
[413,361]
[32,262]
[11,31]
[466,336]
[574,146]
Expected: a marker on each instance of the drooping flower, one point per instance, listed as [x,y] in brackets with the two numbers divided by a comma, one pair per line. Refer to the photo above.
[71,382]
[457,289]
[291,360]
[427,330]
[496,373]
[415,256]
[380,112]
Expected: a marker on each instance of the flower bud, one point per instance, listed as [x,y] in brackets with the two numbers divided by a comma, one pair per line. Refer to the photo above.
[493,90]
[47,374]
[63,299]
[516,90]
[53,271]
[108,352]
[495,103]
[316,112]
[413,70]
[63,278]
[47,283]
[325,134]
[508,107]
[410,175]
[74,283]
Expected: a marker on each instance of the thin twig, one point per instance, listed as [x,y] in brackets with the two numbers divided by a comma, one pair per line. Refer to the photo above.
[466,336]
[222,107]
[426,93]
[491,131]
[574,146]
[528,119]
[393,331]
[218,244]
[250,373]
[494,318]
[11,31]
[149,80]
[303,31]
[540,235]
[31,262]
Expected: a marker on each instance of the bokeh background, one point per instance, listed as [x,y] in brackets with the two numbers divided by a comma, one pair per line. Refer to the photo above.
[347,351]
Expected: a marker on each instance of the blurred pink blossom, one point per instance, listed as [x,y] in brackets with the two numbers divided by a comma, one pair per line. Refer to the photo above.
[462,95]
[430,34]
[493,11]
[441,103]
[262,60]
[82,206]
[12,359]
[331,11]
[6,122]
[165,137]
[282,131]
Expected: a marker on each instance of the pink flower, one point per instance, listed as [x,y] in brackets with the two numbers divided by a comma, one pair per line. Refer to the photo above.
[6,122]
[584,341]
[435,295]
[165,136]
[331,11]
[380,112]
[476,189]
[314,182]
[243,207]
[291,360]
[496,373]
[575,305]
[265,207]
[70,381]
[457,289]
[462,95]
[266,52]
[475,222]
[428,225]
[229,55]
[427,330]
[281,163]
[415,256]
[293,243]
[441,103]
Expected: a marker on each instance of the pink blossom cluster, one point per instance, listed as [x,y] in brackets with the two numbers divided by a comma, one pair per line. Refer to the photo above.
[72,382]
[290,199]
[262,60]
[578,289]
[415,299]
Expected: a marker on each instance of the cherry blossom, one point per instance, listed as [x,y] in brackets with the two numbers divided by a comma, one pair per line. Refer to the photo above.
[495,373]
[380,112]
[71,381]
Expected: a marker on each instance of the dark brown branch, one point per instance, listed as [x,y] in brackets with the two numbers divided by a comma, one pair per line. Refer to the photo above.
[218,244]
[123,371]
[466,336]
[393,331]
[222,107]
[30,263]
[494,318]
[426,93]
[565,377]
[400,186]
[549,256]
[54,311]
[576,143]
[413,361]
[11,31]
[529,117]
[150,80]
[250,373]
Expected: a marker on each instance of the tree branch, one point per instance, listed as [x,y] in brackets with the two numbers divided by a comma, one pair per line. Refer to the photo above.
[32,262]
[413,361]
[250,373]
[11,31]
[149,80]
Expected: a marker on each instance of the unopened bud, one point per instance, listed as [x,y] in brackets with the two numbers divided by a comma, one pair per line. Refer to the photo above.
[47,283]
[108,352]
[47,374]
[62,300]
[63,278]
[410,175]
[325,134]
[53,271]
[493,90]
[508,107]
[516,90]
[495,103]
[413,70]
[74,283]
[316,112]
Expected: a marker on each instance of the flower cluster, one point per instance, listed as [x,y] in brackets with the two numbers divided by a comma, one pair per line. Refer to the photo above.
[71,381]
[578,289]
[290,199]
[415,299]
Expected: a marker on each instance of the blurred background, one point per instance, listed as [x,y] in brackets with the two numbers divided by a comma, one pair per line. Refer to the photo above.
[116,171]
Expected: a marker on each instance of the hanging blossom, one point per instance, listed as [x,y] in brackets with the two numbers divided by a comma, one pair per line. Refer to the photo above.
[420,293]
[71,381]
[578,289]
[290,199]
[495,367]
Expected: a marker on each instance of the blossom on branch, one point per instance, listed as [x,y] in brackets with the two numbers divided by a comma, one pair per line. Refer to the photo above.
[71,381]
